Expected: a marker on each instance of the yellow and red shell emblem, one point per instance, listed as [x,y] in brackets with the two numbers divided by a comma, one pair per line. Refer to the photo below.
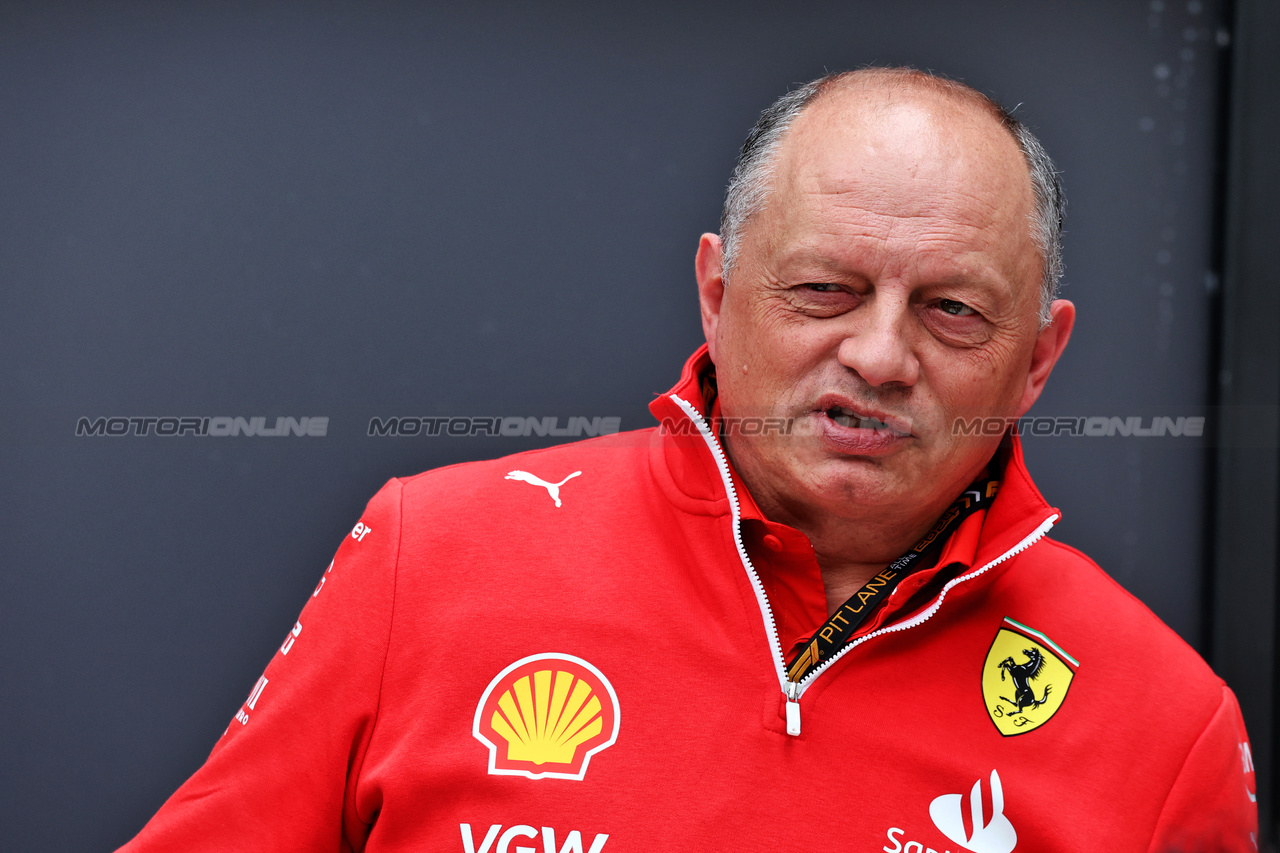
[545,716]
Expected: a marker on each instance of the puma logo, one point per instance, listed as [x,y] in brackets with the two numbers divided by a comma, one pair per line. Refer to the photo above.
[553,489]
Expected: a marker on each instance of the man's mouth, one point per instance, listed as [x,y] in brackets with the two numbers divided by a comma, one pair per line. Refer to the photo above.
[849,418]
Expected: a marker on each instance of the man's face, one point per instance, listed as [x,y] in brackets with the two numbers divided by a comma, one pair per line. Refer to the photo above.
[888,289]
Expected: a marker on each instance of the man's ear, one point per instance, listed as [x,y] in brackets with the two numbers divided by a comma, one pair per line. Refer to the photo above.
[1050,343]
[708,267]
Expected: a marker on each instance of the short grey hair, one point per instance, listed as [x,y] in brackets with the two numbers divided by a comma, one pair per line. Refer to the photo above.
[752,178]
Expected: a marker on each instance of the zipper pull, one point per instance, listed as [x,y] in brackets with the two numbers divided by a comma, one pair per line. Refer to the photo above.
[792,692]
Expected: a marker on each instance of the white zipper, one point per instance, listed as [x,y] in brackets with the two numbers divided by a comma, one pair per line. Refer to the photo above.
[793,690]
[924,615]
[770,626]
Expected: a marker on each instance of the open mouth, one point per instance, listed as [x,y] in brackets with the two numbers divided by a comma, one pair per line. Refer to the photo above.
[848,418]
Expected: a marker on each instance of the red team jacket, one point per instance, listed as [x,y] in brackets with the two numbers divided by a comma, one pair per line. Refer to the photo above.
[581,650]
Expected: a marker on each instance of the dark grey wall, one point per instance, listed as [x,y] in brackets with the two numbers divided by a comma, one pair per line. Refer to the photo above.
[380,209]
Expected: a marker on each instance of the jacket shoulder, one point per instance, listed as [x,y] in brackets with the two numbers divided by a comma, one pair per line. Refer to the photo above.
[484,486]
[1112,622]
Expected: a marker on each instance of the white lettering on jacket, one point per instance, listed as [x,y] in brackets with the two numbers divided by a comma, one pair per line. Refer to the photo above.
[501,843]
[911,846]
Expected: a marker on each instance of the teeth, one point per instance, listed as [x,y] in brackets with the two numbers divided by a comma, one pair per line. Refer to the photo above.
[844,417]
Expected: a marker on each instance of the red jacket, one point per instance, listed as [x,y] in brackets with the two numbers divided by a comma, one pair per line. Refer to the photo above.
[503,660]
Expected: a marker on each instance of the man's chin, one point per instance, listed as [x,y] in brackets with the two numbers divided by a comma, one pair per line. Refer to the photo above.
[862,480]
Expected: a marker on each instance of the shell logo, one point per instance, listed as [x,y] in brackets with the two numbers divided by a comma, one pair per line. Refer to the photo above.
[545,716]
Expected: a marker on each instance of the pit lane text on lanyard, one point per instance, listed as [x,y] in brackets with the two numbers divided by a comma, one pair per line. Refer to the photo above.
[840,626]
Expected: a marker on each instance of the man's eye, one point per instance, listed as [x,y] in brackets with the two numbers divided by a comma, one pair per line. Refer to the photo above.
[956,309]
[823,286]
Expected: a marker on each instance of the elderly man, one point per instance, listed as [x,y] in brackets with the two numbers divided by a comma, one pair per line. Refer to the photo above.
[813,610]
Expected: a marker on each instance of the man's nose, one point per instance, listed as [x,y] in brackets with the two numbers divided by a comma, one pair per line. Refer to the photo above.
[878,346]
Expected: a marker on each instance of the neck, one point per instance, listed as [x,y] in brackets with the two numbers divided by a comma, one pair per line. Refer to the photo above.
[851,549]
[853,540]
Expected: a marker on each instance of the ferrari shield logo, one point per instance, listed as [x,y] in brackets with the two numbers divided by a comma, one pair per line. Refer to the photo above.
[1024,678]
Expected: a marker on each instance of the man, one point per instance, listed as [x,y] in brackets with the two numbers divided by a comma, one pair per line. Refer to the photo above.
[816,609]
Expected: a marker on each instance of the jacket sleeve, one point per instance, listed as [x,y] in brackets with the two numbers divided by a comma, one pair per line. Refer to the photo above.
[284,774]
[1212,805]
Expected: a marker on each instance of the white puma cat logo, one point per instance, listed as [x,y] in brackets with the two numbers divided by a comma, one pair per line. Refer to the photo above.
[553,489]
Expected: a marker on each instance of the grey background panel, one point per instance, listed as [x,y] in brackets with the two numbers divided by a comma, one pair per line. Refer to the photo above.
[393,209]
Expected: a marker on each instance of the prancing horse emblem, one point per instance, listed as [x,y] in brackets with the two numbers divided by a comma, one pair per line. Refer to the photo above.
[1022,675]
[1041,672]
[553,489]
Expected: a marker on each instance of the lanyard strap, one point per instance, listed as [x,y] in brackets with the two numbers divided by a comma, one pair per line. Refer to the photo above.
[840,626]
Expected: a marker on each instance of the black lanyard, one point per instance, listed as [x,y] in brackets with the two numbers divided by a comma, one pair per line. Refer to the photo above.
[840,626]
